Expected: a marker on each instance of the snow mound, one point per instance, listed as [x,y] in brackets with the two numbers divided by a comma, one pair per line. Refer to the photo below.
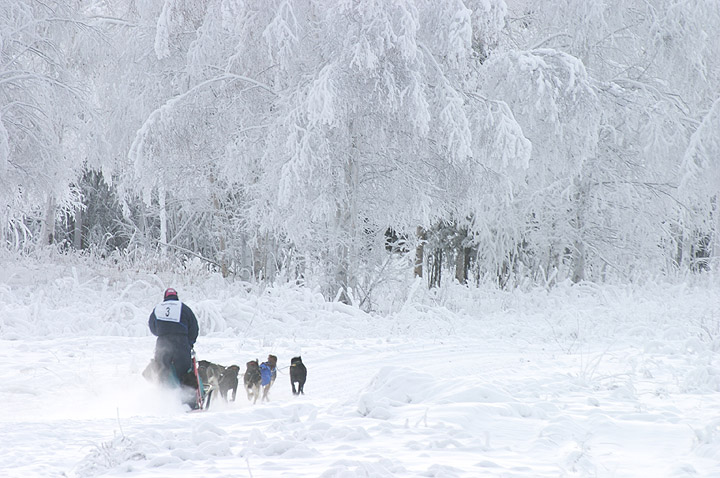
[395,387]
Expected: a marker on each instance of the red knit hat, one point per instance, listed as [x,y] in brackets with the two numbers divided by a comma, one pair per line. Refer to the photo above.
[170,292]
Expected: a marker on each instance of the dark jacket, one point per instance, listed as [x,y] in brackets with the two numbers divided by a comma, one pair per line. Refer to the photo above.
[176,328]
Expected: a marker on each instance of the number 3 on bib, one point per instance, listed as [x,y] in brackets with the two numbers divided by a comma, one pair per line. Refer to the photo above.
[169,311]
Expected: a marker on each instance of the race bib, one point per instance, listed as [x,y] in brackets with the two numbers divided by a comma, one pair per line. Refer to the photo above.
[169,311]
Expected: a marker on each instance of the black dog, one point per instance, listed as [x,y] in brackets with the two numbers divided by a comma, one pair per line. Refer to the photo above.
[217,377]
[298,374]
[229,382]
[252,380]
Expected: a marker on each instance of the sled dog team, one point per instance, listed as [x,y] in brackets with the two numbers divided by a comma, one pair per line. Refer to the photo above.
[257,380]
[176,328]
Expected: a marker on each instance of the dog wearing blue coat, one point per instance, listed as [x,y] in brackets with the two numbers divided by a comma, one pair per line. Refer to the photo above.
[268,373]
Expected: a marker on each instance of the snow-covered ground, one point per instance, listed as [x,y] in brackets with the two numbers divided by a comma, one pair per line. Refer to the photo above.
[587,381]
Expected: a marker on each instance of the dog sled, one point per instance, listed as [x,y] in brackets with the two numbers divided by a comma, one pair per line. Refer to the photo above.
[196,394]
[203,391]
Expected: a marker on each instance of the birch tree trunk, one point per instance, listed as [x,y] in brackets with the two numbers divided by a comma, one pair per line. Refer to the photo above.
[578,250]
[263,258]
[47,231]
[223,260]
[222,247]
[346,229]
[163,220]
[77,230]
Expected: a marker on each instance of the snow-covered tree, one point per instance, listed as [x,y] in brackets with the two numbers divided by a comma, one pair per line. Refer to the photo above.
[550,140]
[44,121]
[700,182]
[653,67]
[551,95]
[183,150]
[331,122]
[380,130]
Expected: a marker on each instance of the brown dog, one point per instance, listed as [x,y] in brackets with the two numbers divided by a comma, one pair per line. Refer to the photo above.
[268,372]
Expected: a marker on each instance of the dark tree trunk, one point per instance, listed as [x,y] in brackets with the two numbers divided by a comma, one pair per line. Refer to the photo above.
[420,252]
[436,268]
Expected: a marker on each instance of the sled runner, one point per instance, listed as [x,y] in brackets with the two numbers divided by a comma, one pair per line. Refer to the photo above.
[197,394]
[203,392]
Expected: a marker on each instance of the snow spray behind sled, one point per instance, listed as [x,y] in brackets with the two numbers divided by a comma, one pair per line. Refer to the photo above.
[195,393]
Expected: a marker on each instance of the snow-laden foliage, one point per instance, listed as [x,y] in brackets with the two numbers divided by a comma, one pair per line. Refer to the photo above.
[551,95]
[556,104]
[380,135]
[267,110]
[4,147]
[700,164]
[517,140]
[632,210]
[43,111]
[700,183]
